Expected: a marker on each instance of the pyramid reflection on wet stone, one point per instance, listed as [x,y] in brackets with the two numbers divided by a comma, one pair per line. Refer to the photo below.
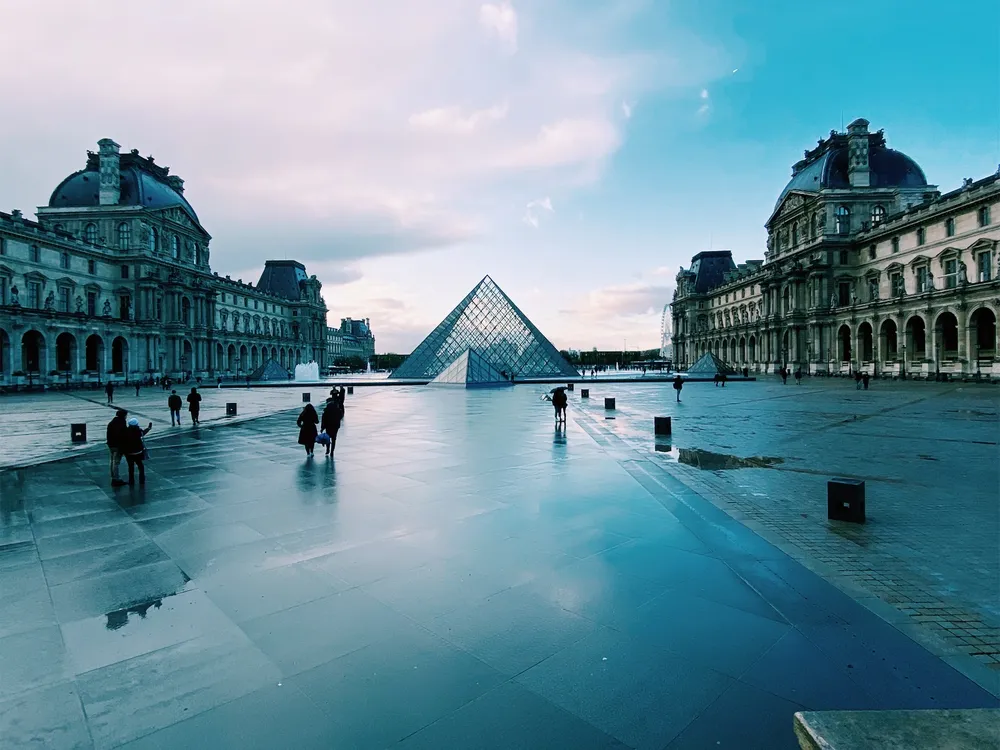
[489,323]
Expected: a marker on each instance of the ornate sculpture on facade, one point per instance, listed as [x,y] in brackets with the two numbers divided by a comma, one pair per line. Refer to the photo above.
[79,304]
[50,301]
[833,300]
[873,290]
[106,310]
[15,297]
[854,297]
[128,311]
[963,273]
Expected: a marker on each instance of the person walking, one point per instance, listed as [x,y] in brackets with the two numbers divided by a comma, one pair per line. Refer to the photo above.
[722,379]
[784,376]
[219,382]
[559,401]
[116,439]
[135,450]
[678,384]
[864,380]
[715,379]
[333,415]
[194,405]
[138,384]
[857,381]
[798,376]
[307,422]
[109,389]
[174,403]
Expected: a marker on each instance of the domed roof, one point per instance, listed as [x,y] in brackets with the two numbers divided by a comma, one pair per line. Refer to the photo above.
[889,168]
[138,188]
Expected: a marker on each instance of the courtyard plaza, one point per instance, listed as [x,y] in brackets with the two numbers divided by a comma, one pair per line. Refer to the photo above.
[462,575]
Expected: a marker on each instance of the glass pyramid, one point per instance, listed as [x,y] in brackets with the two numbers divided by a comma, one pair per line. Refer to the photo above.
[487,322]
[471,371]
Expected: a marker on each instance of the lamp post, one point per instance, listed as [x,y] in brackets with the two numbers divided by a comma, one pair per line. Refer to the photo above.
[902,364]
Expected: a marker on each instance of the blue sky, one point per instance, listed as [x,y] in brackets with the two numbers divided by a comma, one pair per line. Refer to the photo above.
[577,151]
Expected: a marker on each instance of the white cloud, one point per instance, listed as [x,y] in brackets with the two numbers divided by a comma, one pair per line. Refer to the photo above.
[454,121]
[534,208]
[627,110]
[501,19]
[705,106]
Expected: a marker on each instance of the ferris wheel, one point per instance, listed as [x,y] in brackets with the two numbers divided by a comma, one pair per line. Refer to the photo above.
[666,334]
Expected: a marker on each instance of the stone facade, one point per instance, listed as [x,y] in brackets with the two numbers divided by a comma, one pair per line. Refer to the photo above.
[354,338]
[868,268]
[113,281]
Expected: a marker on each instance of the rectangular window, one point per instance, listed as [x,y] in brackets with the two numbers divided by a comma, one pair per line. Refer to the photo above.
[896,281]
[921,236]
[844,293]
[123,304]
[34,254]
[844,258]
[91,266]
[871,252]
[3,290]
[124,272]
[64,299]
[949,228]
[895,244]
[923,279]
[984,216]
[34,295]
[64,260]
[3,246]
[950,274]
[92,304]
[984,266]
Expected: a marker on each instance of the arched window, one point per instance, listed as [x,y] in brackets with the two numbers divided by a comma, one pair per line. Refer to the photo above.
[197,253]
[175,243]
[154,240]
[815,226]
[795,234]
[878,215]
[90,234]
[124,235]
[842,217]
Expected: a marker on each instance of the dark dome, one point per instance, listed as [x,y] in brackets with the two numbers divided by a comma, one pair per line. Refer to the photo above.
[138,188]
[889,169]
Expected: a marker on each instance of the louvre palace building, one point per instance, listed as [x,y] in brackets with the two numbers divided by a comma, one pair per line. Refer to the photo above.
[113,281]
[868,268]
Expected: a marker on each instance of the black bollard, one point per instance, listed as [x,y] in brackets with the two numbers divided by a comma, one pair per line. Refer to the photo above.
[661,425]
[231,409]
[569,386]
[78,433]
[584,393]
[306,398]
[350,389]
[845,500]
[609,403]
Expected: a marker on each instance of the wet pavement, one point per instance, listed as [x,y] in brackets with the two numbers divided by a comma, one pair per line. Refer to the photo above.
[461,575]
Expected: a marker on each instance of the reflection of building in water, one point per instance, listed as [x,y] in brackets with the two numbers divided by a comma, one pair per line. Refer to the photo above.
[867,267]
[114,280]
[119,618]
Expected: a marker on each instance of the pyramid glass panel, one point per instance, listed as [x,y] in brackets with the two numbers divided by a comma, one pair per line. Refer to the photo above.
[490,324]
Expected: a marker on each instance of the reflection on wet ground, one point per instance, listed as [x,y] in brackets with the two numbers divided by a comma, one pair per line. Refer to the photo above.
[710,461]
[460,575]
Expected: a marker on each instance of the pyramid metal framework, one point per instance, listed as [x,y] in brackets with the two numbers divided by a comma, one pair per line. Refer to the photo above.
[709,364]
[471,371]
[488,322]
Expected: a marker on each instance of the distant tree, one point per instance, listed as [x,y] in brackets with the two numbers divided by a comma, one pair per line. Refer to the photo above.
[387,361]
[353,363]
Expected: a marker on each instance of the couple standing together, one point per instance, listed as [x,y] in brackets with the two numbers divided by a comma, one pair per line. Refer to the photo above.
[329,424]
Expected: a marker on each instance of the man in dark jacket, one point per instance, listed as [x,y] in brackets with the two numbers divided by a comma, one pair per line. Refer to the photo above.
[109,389]
[330,422]
[116,440]
[174,403]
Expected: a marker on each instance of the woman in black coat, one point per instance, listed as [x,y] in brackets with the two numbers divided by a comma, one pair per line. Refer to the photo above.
[307,422]
[134,449]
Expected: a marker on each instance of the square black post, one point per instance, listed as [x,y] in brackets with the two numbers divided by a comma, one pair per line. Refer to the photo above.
[350,389]
[306,398]
[661,425]
[231,409]
[609,403]
[78,433]
[584,393]
[845,500]
[569,386]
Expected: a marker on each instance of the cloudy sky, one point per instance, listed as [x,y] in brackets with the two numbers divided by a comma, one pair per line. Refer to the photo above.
[578,151]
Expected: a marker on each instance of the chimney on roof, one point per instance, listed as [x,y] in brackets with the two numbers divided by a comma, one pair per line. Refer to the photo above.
[15,214]
[108,156]
[858,170]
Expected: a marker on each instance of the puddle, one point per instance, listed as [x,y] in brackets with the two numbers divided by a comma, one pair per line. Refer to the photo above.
[119,618]
[710,461]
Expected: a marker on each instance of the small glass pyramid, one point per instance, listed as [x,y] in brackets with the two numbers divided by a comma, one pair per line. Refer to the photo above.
[487,322]
[471,371]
